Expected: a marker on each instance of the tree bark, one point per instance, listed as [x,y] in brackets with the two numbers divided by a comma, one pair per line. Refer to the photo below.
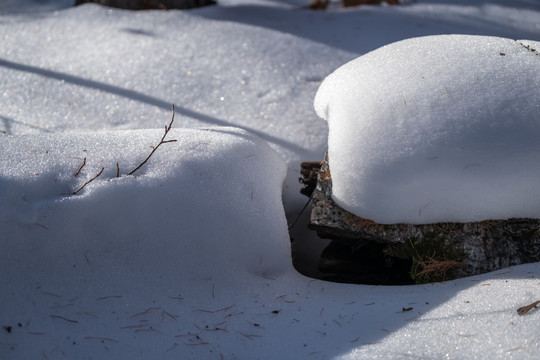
[150,4]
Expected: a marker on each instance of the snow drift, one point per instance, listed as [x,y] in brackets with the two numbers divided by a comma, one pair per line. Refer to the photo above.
[436,129]
[175,208]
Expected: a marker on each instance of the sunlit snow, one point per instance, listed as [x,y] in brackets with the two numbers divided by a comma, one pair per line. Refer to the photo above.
[190,257]
[436,129]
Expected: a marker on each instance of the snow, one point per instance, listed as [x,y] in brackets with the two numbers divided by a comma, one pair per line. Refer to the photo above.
[184,181]
[436,129]
[190,257]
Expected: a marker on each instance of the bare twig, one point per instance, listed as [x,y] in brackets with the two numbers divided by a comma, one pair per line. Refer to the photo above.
[146,311]
[80,168]
[87,313]
[249,336]
[234,314]
[301,212]
[215,311]
[525,309]
[162,141]
[88,182]
[102,339]
[64,318]
[172,316]
[117,170]
[436,267]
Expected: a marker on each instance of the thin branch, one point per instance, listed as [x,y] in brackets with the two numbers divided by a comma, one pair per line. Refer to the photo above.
[301,212]
[64,318]
[249,336]
[88,182]
[215,311]
[162,141]
[80,168]
[117,170]
[438,268]
[150,309]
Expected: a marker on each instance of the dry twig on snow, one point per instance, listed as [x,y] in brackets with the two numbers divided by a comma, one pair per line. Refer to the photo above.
[163,141]
[88,182]
[154,148]
[80,168]
[525,309]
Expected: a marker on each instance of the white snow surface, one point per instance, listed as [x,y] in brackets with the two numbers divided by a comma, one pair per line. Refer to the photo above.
[436,129]
[194,192]
[190,258]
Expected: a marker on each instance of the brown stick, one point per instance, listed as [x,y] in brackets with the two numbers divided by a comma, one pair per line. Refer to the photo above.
[163,141]
[80,168]
[525,309]
[301,212]
[88,182]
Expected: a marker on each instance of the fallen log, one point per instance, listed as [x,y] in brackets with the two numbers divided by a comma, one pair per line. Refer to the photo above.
[150,4]
[432,252]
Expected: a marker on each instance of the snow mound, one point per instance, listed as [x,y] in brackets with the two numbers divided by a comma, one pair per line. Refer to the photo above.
[206,205]
[436,129]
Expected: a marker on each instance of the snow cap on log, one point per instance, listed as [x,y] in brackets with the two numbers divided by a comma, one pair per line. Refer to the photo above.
[436,129]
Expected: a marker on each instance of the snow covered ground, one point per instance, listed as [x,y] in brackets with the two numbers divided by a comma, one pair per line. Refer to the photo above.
[190,258]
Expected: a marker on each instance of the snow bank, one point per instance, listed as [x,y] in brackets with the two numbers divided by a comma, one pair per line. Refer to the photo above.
[434,129]
[206,205]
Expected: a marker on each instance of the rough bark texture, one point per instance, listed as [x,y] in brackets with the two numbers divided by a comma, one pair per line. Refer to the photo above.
[149,4]
[463,249]
[347,3]
[323,4]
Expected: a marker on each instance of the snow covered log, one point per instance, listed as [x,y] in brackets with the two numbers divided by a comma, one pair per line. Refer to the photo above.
[460,249]
[348,3]
[150,4]
[433,145]
[436,129]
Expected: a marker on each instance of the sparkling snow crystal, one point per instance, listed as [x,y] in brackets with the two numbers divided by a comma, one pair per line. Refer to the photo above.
[436,129]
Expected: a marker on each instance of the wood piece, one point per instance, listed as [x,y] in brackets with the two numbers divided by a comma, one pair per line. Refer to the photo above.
[150,4]
[464,248]
[309,171]
[348,3]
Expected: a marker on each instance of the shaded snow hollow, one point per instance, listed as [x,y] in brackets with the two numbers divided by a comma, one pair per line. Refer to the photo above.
[436,129]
